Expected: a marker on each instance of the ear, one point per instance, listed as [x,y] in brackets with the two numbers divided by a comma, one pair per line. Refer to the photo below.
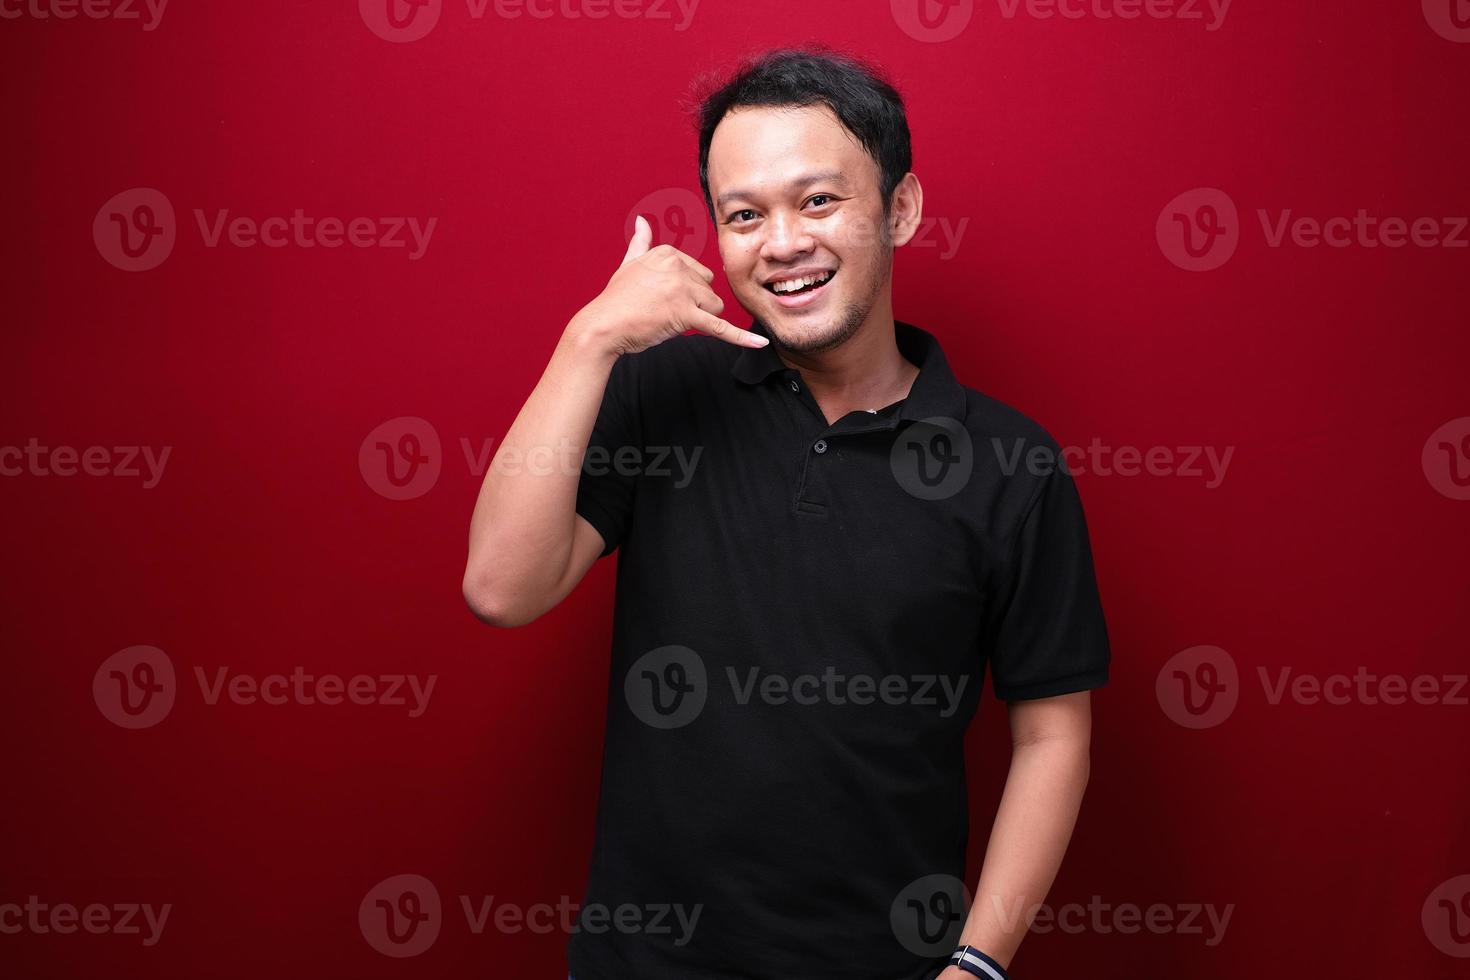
[906,210]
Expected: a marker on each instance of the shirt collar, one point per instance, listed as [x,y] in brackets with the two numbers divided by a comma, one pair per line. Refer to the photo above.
[935,392]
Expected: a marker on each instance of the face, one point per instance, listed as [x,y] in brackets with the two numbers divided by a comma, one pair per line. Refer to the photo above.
[801,229]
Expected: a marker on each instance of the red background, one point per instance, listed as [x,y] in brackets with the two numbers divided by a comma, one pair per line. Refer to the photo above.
[263,548]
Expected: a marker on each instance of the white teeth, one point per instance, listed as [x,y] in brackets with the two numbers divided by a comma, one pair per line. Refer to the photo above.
[791,285]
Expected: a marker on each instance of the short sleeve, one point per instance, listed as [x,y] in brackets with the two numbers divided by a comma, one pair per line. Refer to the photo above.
[606,487]
[1044,624]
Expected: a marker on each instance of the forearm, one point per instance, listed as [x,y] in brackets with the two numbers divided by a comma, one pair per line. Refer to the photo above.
[524,520]
[1033,824]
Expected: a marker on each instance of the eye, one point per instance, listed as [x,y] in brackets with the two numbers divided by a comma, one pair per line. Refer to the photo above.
[736,217]
[819,199]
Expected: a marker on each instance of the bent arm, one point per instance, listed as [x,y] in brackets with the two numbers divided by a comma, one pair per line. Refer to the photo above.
[528,547]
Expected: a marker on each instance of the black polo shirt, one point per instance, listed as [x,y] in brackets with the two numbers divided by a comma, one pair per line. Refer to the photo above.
[803,619]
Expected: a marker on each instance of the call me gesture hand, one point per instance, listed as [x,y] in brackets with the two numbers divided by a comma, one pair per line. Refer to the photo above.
[656,293]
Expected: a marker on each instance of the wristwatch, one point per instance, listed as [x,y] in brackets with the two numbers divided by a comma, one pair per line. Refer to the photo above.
[971,960]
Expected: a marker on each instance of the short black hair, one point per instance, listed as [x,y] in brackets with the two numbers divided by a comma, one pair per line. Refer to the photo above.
[859,94]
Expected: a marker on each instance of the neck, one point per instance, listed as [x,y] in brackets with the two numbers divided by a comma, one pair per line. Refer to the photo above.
[865,371]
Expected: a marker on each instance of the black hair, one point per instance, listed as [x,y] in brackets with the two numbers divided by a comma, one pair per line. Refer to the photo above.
[861,97]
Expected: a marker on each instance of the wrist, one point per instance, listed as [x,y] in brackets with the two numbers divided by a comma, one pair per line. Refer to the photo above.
[590,336]
[976,962]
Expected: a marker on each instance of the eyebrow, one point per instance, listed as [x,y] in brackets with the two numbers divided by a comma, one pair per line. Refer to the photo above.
[805,180]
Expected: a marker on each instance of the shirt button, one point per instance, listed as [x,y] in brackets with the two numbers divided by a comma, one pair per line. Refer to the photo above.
[821,446]
[795,386]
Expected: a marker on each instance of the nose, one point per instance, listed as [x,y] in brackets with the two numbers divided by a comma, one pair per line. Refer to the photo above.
[786,238]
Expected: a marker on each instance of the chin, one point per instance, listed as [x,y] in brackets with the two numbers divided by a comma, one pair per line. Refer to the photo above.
[812,334]
[806,337]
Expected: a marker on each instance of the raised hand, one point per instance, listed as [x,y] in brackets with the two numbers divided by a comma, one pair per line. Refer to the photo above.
[656,293]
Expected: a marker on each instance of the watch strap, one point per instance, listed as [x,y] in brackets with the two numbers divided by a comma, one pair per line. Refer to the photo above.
[971,960]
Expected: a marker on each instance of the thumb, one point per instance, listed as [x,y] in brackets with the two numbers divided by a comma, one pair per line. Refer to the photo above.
[642,238]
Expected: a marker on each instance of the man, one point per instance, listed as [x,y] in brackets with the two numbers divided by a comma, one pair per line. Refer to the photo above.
[825,539]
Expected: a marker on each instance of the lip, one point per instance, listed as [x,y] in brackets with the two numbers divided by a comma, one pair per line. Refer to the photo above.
[800,300]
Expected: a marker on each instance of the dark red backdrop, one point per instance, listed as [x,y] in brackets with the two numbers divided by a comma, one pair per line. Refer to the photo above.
[1052,151]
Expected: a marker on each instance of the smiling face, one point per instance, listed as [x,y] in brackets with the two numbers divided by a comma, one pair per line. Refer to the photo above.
[806,246]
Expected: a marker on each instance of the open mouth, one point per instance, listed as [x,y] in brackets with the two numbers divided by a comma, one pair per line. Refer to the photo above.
[798,287]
